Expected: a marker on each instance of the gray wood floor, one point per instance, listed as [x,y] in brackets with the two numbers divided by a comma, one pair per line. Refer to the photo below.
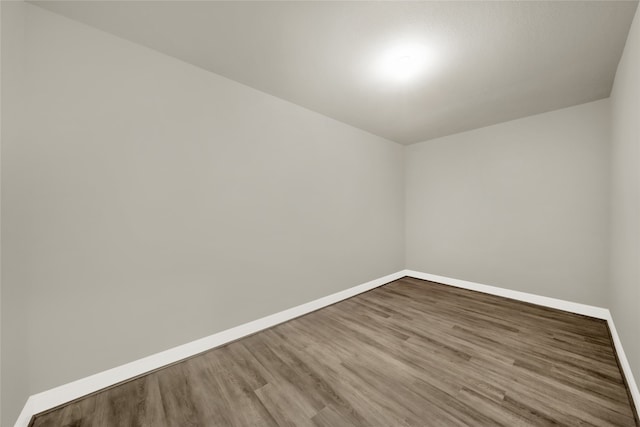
[410,353]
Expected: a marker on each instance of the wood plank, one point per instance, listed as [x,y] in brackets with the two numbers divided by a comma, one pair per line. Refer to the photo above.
[410,353]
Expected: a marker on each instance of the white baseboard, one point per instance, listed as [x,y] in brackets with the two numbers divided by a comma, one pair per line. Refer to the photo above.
[573,307]
[57,396]
[65,393]
[624,363]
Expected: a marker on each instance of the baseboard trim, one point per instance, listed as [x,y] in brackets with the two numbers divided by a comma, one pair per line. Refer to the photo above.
[49,399]
[624,364]
[572,307]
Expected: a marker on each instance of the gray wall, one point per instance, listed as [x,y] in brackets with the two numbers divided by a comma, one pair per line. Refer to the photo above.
[625,242]
[13,340]
[152,203]
[521,205]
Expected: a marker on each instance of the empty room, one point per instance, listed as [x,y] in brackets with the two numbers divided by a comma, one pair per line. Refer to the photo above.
[319,213]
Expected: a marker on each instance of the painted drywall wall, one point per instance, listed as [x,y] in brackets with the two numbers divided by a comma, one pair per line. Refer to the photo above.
[624,290]
[521,205]
[12,315]
[0,211]
[152,203]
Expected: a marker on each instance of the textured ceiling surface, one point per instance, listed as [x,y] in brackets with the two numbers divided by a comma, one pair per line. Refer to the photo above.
[489,62]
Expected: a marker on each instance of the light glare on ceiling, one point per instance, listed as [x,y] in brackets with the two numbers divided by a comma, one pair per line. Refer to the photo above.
[404,62]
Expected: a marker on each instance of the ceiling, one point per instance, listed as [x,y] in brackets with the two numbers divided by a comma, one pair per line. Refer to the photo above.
[488,61]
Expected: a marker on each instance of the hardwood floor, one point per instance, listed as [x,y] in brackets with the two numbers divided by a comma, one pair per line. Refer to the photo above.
[410,353]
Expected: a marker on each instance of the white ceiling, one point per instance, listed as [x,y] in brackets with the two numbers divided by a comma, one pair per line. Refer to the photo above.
[494,61]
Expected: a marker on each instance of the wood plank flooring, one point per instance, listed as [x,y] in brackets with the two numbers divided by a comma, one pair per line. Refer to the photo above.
[410,353]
